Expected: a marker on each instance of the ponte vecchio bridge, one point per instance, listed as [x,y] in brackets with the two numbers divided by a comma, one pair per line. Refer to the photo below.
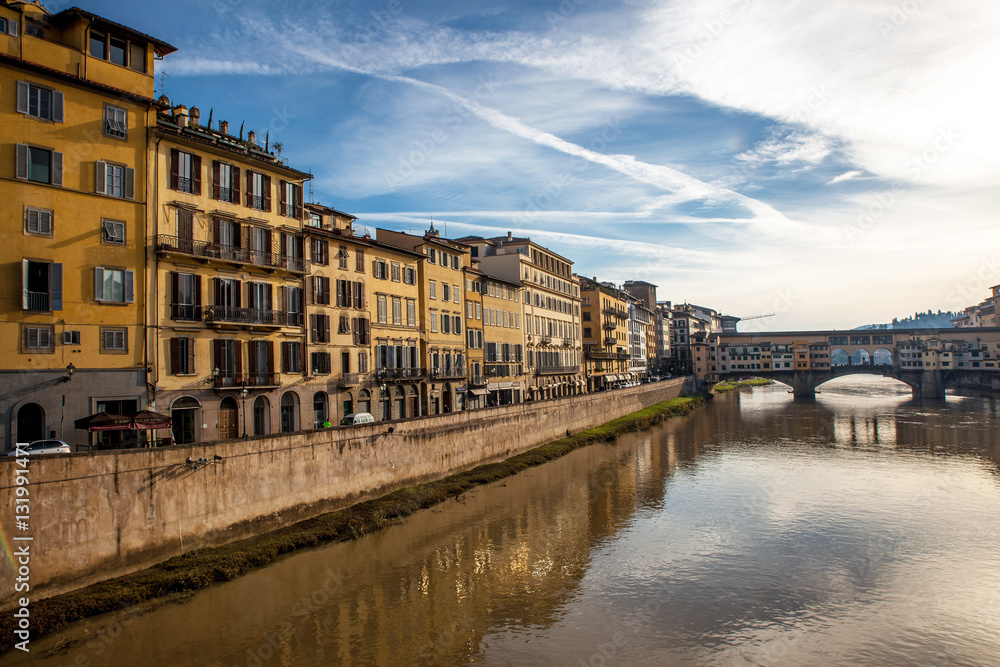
[928,360]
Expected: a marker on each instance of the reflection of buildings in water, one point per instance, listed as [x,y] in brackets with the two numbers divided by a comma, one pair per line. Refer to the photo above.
[865,430]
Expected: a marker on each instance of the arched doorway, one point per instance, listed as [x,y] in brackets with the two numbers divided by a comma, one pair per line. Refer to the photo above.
[184,420]
[414,401]
[348,405]
[446,397]
[321,409]
[289,412]
[229,414]
[30,423]
[261,416]
[400,403]
[364,401]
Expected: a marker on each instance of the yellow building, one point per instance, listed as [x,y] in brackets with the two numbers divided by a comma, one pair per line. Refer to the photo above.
[551,303]
[441,280]
[478,394]
[227,293]
[604,313]
[400,375]
[503,341]
[77,97]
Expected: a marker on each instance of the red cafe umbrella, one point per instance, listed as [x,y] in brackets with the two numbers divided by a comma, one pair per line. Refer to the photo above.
[102,421]
[146,420]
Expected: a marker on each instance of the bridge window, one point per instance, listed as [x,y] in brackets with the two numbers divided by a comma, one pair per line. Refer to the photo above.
[881,340]
[838,340]
[860,340]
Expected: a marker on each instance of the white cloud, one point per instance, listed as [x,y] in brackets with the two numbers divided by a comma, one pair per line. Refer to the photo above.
[792,148]
[846,176]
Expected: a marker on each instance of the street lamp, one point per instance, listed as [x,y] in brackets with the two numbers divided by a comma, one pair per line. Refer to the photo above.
[70,369]
[243,394]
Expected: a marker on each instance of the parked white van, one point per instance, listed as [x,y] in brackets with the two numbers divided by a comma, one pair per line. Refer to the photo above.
[357,418]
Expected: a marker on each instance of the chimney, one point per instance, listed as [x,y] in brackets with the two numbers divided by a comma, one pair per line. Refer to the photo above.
[195,117]
[181,115]
[510,236]
[224,126]
[252,137]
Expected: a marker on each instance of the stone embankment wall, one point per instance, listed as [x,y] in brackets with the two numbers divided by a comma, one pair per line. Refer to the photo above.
[101,515]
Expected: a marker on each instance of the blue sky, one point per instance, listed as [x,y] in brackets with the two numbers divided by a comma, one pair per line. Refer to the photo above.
[834,163]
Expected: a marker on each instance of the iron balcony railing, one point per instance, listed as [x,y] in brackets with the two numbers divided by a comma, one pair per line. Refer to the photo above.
[231,380]
[268,258]
[231,315]
[228,379]
[37,300]
[226,194]
[553,370]
[448,373]
[262,379]
[184,184]
[256,201]
[183,312]
[399,373]
[477,380]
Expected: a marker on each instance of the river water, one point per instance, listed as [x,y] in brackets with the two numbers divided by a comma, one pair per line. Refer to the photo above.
[859,529]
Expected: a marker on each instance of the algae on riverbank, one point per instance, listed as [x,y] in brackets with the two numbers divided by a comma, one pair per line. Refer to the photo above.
[730,385]
[202,567]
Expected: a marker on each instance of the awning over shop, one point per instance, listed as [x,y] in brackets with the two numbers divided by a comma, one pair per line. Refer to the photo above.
[480,392]
[146,419]
[102,421]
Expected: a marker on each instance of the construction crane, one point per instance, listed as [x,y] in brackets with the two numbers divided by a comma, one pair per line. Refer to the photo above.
[757,317]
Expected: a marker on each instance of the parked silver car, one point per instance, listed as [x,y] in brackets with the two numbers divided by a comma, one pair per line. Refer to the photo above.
[44,447]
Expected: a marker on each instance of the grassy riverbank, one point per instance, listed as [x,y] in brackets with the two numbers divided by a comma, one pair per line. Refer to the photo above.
[730,385]
[203,567]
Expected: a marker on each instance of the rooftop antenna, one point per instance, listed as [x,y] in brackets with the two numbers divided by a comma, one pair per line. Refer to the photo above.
[163,83]
[312,200]
[267,142]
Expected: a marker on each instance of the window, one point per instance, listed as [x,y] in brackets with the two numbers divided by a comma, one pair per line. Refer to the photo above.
[410,276]
[118,50]
[114,232]
[397,311]
[258,191]
[182,356]
[342,257]
[38,221]
[8,26]
[380,269]
[114,285]
[321,290]
[320,363]
[115,122]
[457,325]
[411,313]
[291,357]
[185,172]
[319,325]
[445,292]
[432,289]
[115,180]
[39,165]
[37,338]
[320,252]
[71,337]
[454,261]
[359,257]
[225,182]
[38,102]
[381,312]
[434,322]
[114,340]
[185,296]
[432,255]
[362,362]
[291,200]
[445,323]
[396,274]
[41,284]
[454,294]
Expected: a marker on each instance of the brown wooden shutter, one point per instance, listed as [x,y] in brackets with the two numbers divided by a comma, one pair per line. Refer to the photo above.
[175,355]
[235,185]
[175,180]
[174,289]
[249,188]
[270,356]
[326,291]
[238,289]
[252,356]
[284,357]
[269,305]
[312,289]
[216,185]
[216,232]
[196,174]
[312,328]
[237,235]
[326,328]
[238,346]
[217,354]
[185,225]
[191,356]
[267,193]
[197,297]
[282,189]
[298,202]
